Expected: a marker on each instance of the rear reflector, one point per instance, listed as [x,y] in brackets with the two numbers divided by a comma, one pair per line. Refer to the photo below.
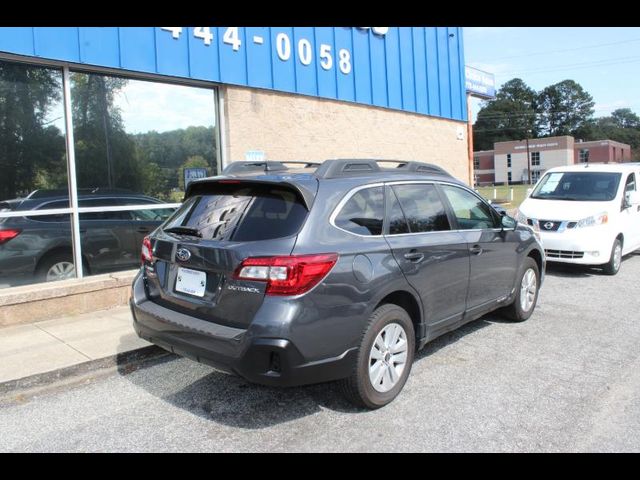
[287,275]
[6,235]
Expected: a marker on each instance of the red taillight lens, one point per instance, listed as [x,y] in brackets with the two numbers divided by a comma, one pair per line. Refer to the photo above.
[290,275]
[147,252]
[6,235]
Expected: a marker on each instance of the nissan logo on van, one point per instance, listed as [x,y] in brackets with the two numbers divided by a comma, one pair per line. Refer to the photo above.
[183,254]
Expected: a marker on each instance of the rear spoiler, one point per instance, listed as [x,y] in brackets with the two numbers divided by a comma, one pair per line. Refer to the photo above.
[307,194]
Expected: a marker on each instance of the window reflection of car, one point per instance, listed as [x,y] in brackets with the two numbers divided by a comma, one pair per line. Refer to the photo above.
[39,248]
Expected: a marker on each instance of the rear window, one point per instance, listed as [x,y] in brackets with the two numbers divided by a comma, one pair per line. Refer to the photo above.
[363,213]
[241,213]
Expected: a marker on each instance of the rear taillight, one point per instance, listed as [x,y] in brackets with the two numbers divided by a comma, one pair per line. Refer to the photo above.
[6,235]
[147,254]
[290,275]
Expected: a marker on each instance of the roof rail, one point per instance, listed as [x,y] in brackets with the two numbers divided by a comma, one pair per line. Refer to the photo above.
[266,166]
[348,167]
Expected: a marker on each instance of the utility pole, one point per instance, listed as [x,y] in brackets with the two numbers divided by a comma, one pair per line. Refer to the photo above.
[470,142]
[528,160]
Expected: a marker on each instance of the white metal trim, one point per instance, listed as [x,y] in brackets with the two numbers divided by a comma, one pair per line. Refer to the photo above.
[71,173]
[59,211]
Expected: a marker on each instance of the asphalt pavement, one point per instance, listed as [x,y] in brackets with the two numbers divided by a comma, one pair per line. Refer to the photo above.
[566,380]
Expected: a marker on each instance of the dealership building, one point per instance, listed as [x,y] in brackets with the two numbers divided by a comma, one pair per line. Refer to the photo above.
[102,127]
[513,162]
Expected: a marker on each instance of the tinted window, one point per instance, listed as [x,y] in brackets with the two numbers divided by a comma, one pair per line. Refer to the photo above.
[363,212]
[470,211]
[630,186]
[242,213]
[397,221]
[422,208]
[61,217]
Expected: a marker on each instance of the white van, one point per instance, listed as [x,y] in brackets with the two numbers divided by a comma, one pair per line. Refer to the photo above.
[586,214]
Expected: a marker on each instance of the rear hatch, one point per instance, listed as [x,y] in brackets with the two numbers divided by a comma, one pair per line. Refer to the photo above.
[199,248]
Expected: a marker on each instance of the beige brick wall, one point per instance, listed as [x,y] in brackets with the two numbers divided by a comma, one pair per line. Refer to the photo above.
[295,127]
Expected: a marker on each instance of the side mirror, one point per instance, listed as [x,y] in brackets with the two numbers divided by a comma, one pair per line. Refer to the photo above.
[509,223]
[529,190]
[631,199]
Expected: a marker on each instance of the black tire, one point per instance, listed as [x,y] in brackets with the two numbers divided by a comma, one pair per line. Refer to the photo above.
[612,266]
[514,311]
[358,388]
[49,261]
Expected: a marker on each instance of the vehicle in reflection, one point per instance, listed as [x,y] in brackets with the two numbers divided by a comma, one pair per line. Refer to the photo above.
[39,248]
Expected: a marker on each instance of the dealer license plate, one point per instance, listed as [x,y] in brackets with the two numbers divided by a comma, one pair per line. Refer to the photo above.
[190,281]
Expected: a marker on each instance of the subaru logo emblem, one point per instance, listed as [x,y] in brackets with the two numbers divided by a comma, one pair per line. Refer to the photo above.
[548,225]
[183,254]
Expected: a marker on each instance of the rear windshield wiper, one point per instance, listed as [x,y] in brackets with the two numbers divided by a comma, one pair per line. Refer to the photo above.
[184,231]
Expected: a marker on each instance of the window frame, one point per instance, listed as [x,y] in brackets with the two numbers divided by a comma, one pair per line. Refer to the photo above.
[537,161]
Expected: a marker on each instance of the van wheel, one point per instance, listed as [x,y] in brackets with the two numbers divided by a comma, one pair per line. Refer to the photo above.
[384,359]
[526,292]
[58,266]
[613,266]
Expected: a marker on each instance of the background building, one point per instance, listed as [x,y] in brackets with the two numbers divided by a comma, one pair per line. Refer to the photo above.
[130,109]
[507,162]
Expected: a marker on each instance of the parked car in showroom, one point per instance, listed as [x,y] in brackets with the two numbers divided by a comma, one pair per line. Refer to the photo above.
[338,271]
[586,214]
[39,248]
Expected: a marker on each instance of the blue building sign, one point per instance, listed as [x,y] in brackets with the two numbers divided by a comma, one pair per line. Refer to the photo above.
[415,69]
[191,174]
[479,83]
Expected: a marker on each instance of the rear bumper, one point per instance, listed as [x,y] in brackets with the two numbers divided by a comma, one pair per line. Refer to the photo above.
[267,361]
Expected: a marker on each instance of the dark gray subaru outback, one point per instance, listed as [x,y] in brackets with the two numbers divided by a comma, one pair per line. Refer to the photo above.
[333,271]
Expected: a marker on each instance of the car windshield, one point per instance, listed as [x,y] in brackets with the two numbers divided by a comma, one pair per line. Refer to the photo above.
[578,186]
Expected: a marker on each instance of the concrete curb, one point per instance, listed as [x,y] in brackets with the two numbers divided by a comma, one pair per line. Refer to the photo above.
[13,391]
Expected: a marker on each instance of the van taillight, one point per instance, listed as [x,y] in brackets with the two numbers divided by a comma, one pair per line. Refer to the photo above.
[147,252]
[287,275]
[6,235]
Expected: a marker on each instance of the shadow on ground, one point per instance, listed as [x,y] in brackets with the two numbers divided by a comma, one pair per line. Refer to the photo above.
[232,401]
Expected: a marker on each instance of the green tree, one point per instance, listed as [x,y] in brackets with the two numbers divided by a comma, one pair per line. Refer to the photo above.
[105,153]
[510,116]
[564,108]
[29,145]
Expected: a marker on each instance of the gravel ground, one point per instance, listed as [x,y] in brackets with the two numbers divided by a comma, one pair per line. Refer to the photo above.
[568,379]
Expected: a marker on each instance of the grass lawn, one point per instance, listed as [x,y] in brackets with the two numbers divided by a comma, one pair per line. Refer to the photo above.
[503,194]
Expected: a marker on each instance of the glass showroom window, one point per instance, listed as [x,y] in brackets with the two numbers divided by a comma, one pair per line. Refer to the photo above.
[33,178]
[133,141]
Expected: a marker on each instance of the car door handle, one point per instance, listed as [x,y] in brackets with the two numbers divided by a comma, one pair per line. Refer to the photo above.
[414,256]
[476,250]
[143,230]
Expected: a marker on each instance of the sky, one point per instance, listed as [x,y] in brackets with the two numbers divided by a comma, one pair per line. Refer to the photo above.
[604,60]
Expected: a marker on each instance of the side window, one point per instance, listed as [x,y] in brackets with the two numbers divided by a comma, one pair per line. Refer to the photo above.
[630,186]
[102,202]
[422,208]
[470,211]
[363,213]
[62,217]
[397,221]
